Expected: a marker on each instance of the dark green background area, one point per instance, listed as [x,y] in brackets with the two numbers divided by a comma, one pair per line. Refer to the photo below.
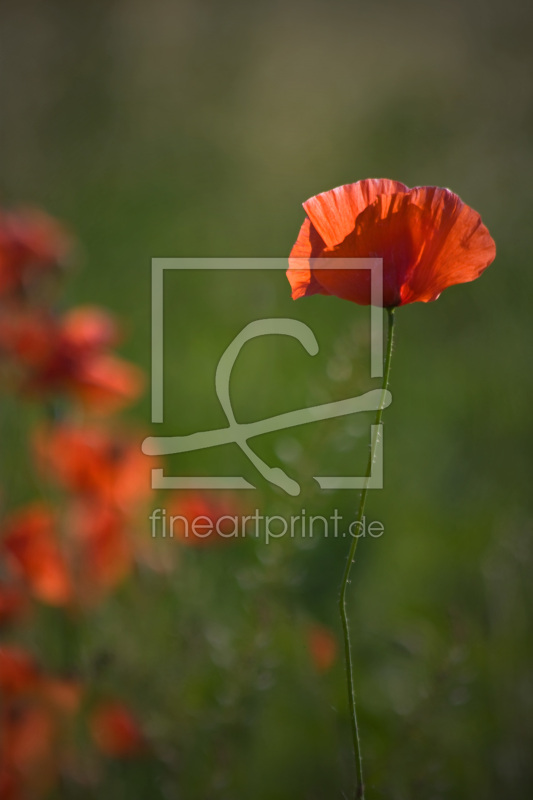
[197,129]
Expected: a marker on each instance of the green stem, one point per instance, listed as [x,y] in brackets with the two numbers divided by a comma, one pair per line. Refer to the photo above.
[359,785]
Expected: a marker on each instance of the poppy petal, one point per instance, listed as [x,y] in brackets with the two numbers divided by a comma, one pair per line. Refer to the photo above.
[428,240]
[391,228]
[333,213]
[19,673]
[106,383]
[115,731]
[33,550]
[89,328]
[456,246]
[308,245]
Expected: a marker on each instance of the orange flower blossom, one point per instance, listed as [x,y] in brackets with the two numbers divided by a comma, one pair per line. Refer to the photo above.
[427,237]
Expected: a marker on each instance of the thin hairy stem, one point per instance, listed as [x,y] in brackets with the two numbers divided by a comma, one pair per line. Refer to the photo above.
[359,784]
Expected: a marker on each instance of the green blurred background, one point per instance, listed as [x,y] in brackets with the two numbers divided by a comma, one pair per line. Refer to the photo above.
[197,129]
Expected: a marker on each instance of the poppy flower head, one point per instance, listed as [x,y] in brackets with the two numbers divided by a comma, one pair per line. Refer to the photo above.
[19,673]
[90,329]
[322,647]
[30,738]
[427,238]
[70,355]
[31,245]
[62,695]
[26,337]
[9,785]
[199,519]
[35,715]
[105,383]
[32,548]
[13,604]
[115,731]
[104,548]
[97,462]
[80,363]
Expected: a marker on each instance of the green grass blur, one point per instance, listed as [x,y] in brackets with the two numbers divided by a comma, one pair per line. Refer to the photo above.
[197,129]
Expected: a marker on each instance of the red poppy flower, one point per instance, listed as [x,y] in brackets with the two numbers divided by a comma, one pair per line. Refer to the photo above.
[10,788]
[31,245]
[96,463]
[90,329]
[199,519]
[103,546]
[105,383]
[28,738]
[13,604]
[79,362]
[26,337]
[70,355]
[427,237]
[116,731]
[19,673]
[62,695]
[33,551]
[35,715]
[323,647]
[35,719]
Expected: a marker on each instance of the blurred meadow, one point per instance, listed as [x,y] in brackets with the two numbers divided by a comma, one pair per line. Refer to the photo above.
[197,129]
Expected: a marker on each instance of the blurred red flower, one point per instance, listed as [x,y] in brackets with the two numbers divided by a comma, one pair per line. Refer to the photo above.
[26,337]
[9,786]
[202,519]
[63,695]
[13,604]
[96,462]
[323,647]
[427,237]
[18,671]
[70,355]
[78,362]
[108,478]
[104,383]
[90,329]
[33,714]
[30,543]
[115,731]
[27,737]
[32,245]
[104,549]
